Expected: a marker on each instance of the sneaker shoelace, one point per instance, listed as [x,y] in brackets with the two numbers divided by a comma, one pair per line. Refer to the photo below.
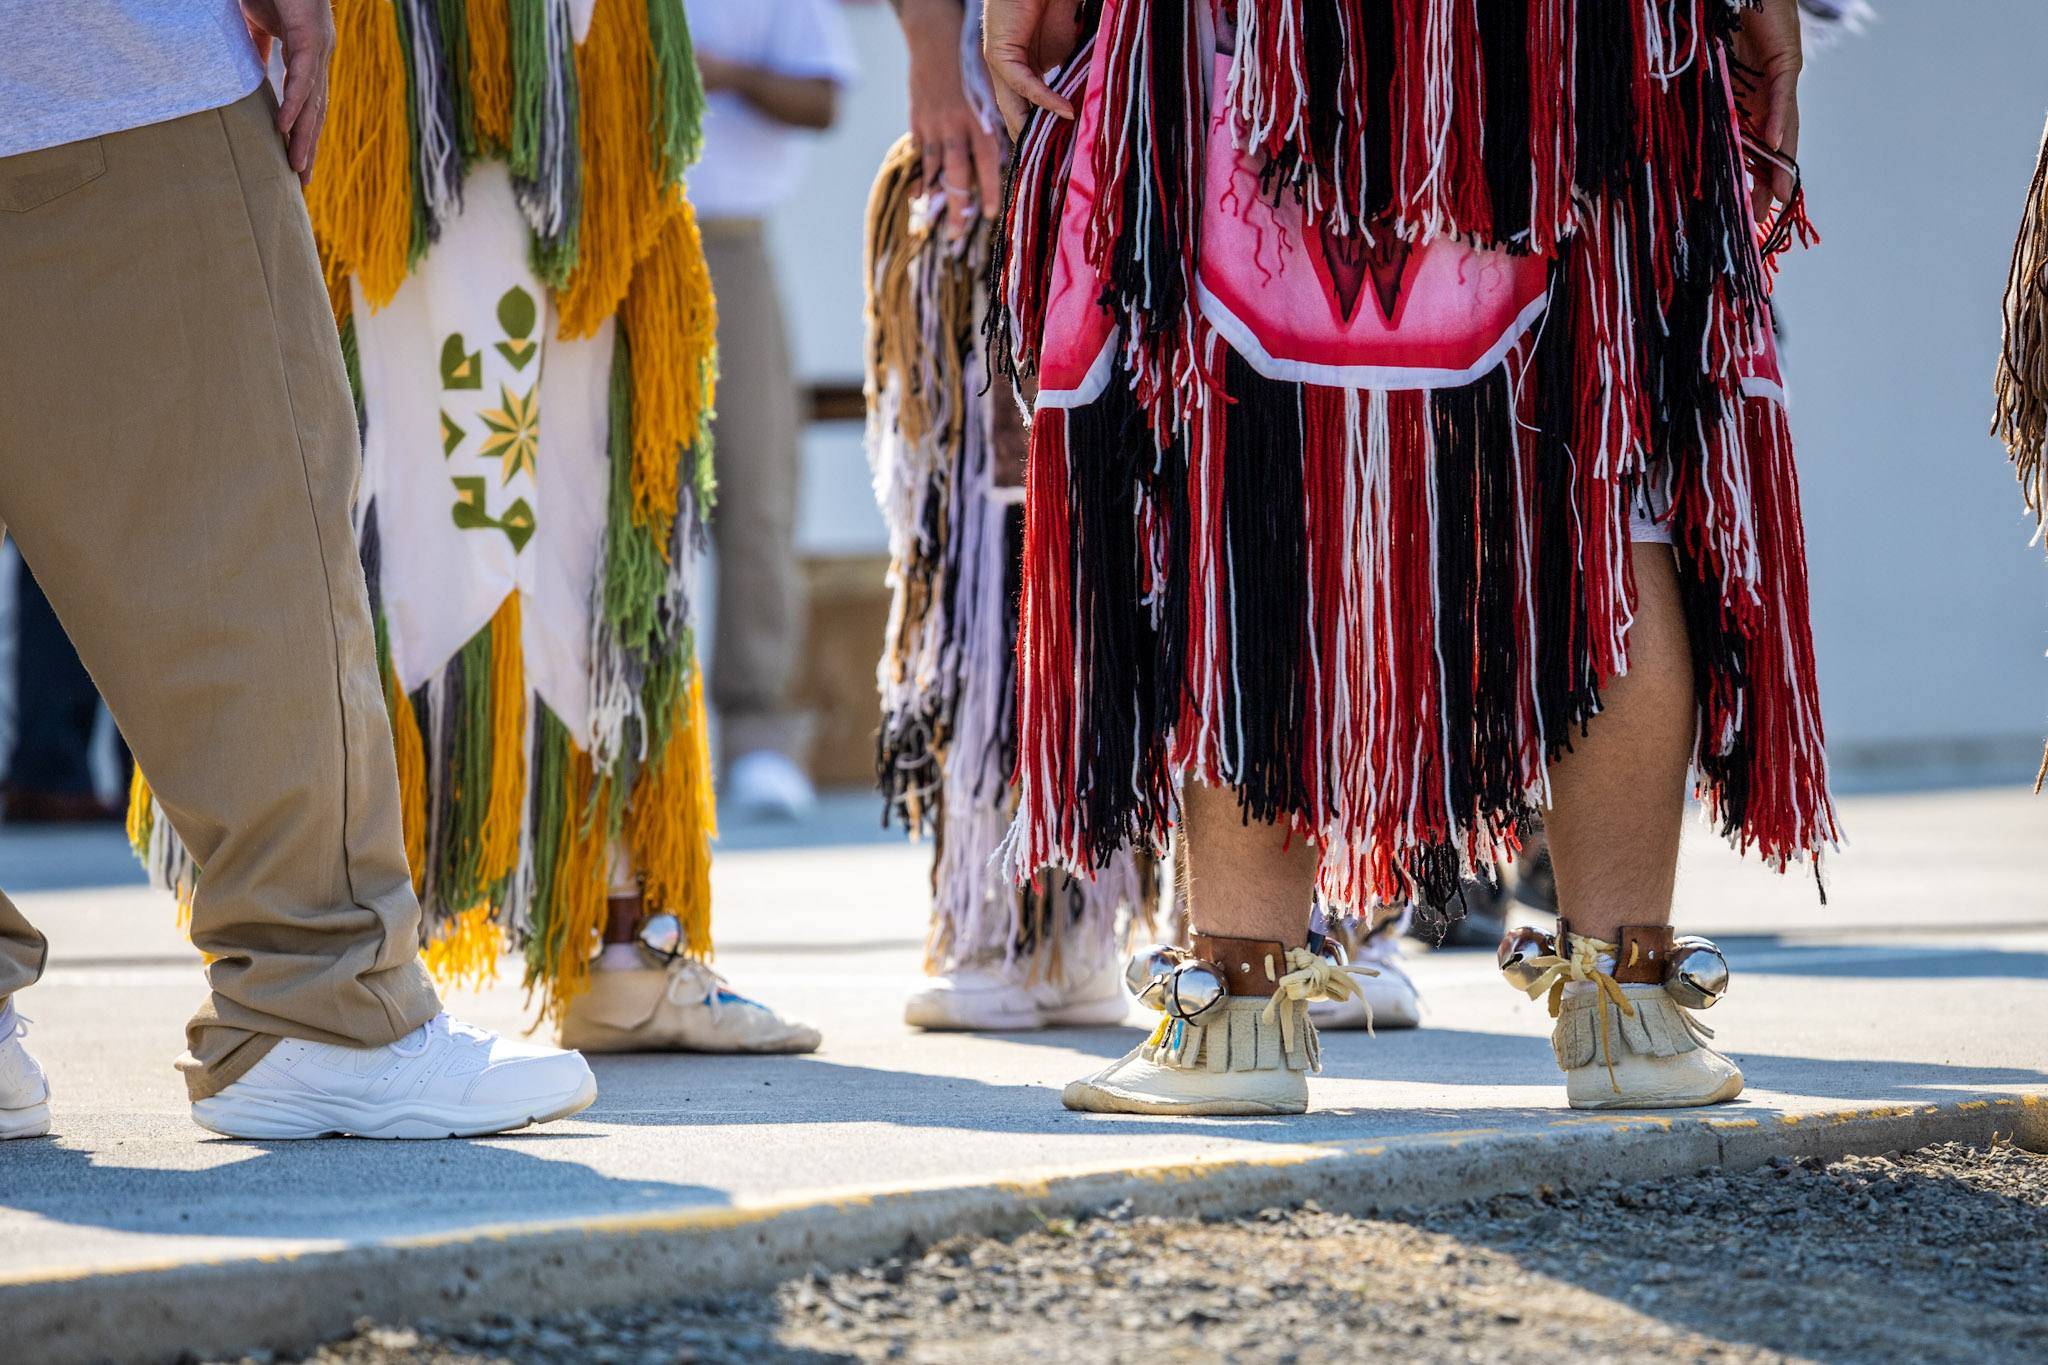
[13,1024]
[448,1026]
[464,1031]
[415,1043]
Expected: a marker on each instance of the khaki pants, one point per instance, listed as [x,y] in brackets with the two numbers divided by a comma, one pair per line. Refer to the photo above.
[754,443]
[177,457]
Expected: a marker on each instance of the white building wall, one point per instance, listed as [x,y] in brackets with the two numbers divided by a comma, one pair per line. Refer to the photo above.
[1930,608]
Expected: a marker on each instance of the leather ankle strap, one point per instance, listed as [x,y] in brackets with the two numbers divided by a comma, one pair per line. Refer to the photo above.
[1250,966]
[1642,954]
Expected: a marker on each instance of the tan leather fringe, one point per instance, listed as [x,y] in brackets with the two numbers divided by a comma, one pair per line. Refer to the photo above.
[926,367]
[892,346]
[2021,419]
[2022,416]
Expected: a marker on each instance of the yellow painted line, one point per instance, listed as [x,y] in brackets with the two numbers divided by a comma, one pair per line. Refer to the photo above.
[1036,1186]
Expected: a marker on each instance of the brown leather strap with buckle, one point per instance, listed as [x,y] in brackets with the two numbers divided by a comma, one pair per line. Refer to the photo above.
[1642,954]
[1250,966]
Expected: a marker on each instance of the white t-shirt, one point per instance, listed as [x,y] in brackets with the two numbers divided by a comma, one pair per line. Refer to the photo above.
[74,69]
[751,163]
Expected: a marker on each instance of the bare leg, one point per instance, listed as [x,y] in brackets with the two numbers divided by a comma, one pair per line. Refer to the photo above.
[1244,881]
[1618,798]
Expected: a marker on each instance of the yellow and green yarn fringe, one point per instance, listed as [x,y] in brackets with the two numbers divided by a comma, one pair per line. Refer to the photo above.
[510,771]
[662,809]
[632,139]
[667,823]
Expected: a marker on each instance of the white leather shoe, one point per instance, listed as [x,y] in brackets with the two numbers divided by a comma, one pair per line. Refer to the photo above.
[24,1090]
[1389,1000]
[1653,1058]
[766,784]
[1242,1063]
[1001,998]
[685,1007]
[444,1079]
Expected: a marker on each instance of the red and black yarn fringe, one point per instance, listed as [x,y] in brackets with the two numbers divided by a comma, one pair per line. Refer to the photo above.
[1203,595]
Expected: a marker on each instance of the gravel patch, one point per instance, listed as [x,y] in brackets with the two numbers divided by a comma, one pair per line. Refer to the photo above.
[1938,1255]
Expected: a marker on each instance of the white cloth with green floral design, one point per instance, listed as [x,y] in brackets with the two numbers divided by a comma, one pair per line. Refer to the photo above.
[485,453]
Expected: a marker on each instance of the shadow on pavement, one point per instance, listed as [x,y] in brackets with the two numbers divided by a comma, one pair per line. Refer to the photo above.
[334,1188]
[1891,962]
[816,1090]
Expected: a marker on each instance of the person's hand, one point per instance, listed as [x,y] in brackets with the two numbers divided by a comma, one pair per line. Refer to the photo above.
[305,28]
[1022,40]
[1768,44]
[961,158]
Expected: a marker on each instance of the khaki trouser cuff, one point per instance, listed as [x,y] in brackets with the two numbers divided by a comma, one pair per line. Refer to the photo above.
[203,1081]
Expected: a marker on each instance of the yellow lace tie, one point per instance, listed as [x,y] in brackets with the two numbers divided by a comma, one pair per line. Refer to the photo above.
[1311,976]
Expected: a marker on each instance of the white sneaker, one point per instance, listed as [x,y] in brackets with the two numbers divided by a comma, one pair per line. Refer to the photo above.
[1392,997]
[24,1090]
[686,1007]
[444,1079]
[766,784]
[997,998]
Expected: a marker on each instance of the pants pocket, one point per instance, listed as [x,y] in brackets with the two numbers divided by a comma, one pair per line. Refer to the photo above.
[32,179]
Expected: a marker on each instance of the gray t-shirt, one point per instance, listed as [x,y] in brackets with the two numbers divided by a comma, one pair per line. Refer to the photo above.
[73,69]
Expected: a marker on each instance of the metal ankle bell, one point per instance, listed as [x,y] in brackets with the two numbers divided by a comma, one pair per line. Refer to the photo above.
[1698,974]
[1195,992]
[1519,949]
[1147,971]
[661,936]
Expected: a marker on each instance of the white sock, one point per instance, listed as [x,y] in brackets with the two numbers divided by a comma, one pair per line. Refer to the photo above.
[619,957]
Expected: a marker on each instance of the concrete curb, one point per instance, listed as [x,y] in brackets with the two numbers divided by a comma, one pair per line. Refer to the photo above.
[142,1314]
